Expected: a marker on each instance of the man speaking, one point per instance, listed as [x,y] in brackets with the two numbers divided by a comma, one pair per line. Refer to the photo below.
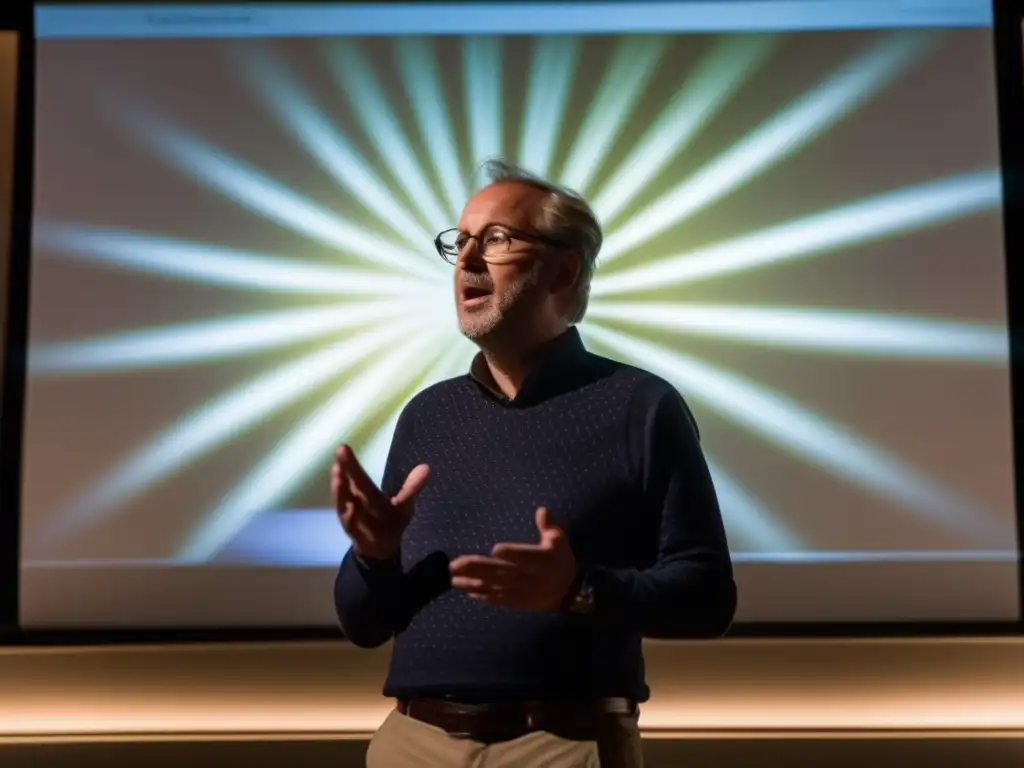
[538,516]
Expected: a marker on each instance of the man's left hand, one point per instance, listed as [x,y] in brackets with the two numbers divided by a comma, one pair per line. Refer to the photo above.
[533,577]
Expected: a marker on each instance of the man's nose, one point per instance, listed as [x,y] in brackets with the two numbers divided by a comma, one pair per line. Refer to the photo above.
[471,257]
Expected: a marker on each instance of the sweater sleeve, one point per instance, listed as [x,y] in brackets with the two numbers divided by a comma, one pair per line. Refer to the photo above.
[368,595]
[689,591]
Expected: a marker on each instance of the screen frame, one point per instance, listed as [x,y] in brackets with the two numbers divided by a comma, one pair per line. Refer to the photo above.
[16,18]
[1008,35]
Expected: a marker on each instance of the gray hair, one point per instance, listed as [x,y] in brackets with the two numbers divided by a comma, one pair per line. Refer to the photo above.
[566,216]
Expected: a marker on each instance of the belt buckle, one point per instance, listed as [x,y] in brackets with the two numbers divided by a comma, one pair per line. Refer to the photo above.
[533,716]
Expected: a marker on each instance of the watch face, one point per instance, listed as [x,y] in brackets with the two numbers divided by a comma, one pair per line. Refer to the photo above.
[584,601]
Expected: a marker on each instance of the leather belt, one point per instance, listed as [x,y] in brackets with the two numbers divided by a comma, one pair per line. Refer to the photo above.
[490,723]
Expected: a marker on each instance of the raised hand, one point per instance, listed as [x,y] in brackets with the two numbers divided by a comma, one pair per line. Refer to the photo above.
[373,522]
[524,576]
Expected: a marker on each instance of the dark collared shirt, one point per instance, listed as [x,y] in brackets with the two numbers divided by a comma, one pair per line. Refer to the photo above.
[614,454]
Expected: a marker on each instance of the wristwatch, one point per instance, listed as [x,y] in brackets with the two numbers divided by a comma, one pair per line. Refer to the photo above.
[580,598]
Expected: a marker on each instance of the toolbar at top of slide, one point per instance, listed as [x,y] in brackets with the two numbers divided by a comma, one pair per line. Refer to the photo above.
[298,20]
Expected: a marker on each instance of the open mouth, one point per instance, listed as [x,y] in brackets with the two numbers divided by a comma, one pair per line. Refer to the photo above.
[475,295]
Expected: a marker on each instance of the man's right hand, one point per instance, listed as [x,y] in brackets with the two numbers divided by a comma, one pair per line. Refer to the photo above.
[373,522]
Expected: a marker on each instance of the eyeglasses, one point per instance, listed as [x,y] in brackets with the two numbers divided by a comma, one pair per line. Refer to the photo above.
[495,242]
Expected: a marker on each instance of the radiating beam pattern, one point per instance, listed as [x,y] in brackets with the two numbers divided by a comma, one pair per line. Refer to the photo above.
[481,72]
[551,77]
[629,72]
[247,186]
[750,525]
[377,118]
[353,318]
[304,448]
[807,435]
[422,81]
[774,140]
[224,418]
[703,93]
[886,215]
[210,340]
[215,265]
[334,152]
[826,331]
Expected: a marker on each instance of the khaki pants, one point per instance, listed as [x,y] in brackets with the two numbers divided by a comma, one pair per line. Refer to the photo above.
[402,742]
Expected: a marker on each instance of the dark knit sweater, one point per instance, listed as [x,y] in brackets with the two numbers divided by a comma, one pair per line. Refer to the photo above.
[614,454]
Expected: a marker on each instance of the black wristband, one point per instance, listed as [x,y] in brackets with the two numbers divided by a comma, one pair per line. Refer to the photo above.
[372,563]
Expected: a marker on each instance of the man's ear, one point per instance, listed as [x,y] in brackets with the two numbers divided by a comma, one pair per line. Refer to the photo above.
[566,271]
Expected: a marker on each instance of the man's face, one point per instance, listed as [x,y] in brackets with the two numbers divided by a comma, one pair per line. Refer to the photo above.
[505,294]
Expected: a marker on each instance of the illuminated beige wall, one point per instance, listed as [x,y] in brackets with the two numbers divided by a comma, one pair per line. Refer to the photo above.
[712,701]
[332,687]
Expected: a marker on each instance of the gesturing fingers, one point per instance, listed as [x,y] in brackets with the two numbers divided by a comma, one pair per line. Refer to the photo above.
[412,485]
[339,489]
[479,573]
[346,502]
[524,555]
[359,483]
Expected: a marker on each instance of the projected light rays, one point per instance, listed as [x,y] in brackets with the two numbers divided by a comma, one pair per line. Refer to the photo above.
[245,185]
[384,325]
[225,418]
[217,265]
[481,72]
[822,330]
[422,83]
[885,215]
[705,91]
[627,77]
[212,339]
[808,435]
[304,448]
[770,143]
[286,97]
[749,524]
[370,107]
[551,76]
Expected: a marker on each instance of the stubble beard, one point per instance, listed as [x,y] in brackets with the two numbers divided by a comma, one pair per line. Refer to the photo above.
[486,322]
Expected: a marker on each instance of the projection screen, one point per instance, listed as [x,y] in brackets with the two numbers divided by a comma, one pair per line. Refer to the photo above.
[233,272]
